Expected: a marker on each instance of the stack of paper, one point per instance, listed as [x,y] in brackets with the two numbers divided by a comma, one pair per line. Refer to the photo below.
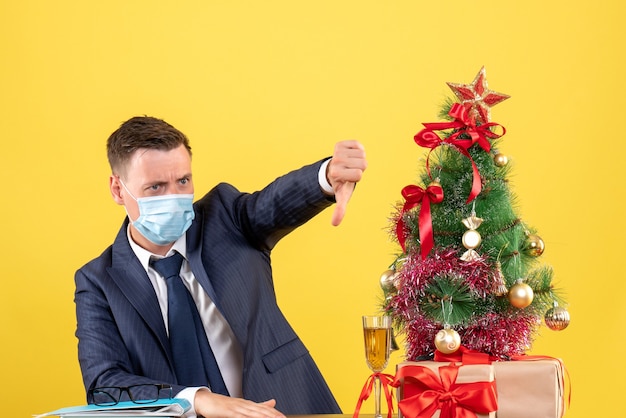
[170,408]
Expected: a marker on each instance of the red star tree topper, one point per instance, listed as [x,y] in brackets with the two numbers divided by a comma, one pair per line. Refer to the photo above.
[477,98]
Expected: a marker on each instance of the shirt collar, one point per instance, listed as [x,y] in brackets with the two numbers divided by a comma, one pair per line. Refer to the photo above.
[144,256]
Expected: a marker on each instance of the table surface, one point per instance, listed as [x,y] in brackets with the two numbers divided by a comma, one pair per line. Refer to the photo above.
[336,416]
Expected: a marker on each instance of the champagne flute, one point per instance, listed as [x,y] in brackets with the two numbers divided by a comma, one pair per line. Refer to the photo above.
[377,339]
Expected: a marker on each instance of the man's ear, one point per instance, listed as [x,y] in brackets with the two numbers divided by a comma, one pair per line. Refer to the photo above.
[116,189]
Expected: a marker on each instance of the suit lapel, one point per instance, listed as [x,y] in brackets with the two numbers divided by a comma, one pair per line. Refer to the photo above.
[194,255]
[132,279]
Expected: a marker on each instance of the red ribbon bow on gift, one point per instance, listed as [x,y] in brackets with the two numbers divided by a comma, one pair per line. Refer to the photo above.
[414,196]
[454,400]
[462,124]
[385,380]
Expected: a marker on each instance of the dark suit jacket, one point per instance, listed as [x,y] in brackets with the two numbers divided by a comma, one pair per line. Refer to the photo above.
[121,335]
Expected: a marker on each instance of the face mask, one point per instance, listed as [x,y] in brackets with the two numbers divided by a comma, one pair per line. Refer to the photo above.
[163,219]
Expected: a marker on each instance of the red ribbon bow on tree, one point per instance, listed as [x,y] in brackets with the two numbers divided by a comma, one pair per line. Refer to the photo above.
[432,393]
[463,124]
[414,196]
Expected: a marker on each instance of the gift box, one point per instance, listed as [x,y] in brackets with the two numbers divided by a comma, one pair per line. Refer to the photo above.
[532,387]
[438,389]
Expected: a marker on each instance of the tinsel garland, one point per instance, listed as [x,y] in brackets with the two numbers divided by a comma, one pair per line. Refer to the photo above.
[501,332]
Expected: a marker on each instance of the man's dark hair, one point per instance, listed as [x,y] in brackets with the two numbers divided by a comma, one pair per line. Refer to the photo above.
[141,132]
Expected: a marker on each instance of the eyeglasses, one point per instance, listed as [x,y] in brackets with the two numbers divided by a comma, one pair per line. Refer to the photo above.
[140,394]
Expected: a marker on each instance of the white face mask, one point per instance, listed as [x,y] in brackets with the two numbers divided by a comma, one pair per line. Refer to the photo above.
[163,219]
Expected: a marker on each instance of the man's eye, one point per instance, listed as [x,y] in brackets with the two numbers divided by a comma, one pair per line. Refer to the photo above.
[184,181]
[154,187]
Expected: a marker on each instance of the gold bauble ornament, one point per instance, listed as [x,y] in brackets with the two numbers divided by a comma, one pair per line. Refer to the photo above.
[557,318]
[521,295]
[447,341]
[387,280]
[435,183]
[500,160]
[534,245]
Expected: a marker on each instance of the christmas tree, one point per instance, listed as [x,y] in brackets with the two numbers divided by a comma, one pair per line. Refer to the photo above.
[469,272]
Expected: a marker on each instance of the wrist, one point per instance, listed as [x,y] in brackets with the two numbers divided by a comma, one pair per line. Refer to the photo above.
[322,178]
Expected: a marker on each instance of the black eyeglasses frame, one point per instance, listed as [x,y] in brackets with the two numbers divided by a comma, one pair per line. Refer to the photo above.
[106,390]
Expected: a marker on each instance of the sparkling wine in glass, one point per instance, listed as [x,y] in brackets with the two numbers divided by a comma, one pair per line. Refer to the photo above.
[377,340]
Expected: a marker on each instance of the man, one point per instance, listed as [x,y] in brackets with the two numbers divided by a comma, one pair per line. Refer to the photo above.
[127,330]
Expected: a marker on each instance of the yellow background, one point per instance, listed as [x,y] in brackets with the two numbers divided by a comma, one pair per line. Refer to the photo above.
[261,87]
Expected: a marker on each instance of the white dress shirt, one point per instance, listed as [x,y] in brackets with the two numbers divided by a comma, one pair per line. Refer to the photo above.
[223,342]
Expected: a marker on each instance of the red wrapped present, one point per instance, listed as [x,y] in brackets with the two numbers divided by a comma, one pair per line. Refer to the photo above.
[445,390]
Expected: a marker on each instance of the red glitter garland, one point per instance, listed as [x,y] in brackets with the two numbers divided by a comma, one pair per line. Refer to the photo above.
[500,334]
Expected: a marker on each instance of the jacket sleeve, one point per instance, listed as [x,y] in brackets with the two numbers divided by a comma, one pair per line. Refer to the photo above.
[268,215]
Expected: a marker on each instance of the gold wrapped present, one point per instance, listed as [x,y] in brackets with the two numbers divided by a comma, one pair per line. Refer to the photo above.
[530,388]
